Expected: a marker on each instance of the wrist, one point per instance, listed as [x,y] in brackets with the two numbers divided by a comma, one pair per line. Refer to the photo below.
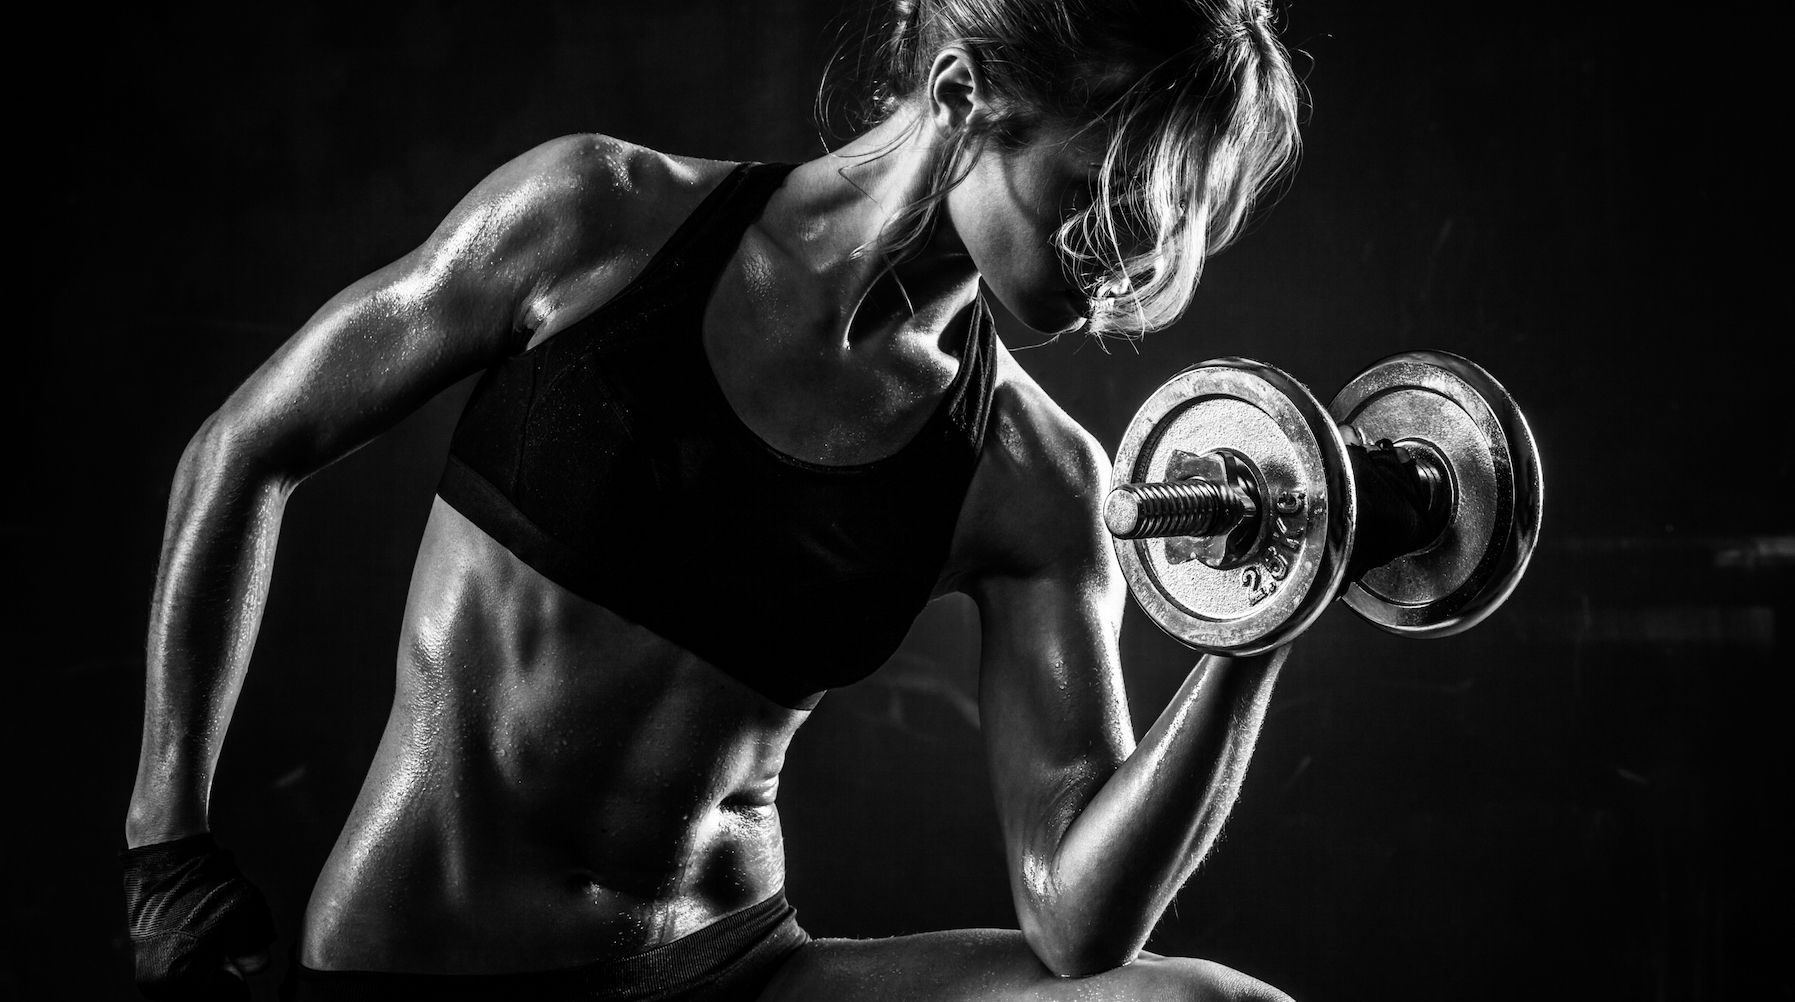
[150,823]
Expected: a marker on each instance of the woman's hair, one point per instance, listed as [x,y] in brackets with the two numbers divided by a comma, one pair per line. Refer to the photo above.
[1191,103]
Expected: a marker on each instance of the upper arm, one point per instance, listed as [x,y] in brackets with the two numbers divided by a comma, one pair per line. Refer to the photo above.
[463,299]
[1050,595]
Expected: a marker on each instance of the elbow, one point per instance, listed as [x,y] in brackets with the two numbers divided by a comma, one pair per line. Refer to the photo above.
[226,451]
[1075,925]
[1079,945]
[217,445]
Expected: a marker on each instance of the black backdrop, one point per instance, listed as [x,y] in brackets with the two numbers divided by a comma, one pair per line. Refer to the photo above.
[1587,796]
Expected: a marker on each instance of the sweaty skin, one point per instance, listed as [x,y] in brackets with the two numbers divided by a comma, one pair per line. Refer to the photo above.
[557,785]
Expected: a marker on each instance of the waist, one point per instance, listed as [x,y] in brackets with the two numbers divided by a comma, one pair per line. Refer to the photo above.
[732,957]
[457,883]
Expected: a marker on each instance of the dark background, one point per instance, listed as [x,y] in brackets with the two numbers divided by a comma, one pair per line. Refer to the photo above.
[1586,797]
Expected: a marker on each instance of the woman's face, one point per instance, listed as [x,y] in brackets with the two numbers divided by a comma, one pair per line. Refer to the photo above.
[1006,212]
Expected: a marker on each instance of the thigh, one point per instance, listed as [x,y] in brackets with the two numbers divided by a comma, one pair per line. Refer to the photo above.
[991,965]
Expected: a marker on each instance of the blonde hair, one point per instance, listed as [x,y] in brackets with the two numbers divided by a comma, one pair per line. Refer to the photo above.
[1193,102]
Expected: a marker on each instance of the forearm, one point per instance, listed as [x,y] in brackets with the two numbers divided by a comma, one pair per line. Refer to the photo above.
[1133,845]
[217,552]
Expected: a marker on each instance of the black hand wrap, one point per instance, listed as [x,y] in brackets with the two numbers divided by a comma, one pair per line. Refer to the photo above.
[190,910]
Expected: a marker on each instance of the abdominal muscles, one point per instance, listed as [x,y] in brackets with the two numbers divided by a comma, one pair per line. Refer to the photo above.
[556,785]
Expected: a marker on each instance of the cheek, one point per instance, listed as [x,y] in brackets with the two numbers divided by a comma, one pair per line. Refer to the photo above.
[1011,245]
[1003,232]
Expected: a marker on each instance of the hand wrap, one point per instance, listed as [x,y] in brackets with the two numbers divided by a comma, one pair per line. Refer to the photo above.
[190,910]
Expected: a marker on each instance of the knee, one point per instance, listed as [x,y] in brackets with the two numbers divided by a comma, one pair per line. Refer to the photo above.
[1183,979]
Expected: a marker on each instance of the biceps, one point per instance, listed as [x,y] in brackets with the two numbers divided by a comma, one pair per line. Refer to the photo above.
[1051,698]
[375,352]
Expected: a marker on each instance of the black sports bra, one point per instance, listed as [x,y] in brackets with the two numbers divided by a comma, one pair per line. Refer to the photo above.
[608,459]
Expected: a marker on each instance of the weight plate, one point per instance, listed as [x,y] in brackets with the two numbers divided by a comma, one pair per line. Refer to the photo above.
[1286,443]
[1452,406]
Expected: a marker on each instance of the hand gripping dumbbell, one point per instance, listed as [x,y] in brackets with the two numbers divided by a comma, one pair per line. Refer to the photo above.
[1240,508]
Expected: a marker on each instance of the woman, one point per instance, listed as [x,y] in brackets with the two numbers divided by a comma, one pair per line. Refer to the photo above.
[739,423]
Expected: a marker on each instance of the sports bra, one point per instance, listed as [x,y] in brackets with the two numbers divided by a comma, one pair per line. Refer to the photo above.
[608,459]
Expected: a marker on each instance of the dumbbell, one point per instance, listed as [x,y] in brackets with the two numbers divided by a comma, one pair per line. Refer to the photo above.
[1241,508]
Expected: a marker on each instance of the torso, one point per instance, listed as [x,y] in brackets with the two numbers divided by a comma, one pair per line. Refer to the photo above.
[557,784]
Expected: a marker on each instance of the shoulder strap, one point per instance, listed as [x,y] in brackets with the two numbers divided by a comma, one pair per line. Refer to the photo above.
[689,228]
[973,408]
[698,248]
[708,238]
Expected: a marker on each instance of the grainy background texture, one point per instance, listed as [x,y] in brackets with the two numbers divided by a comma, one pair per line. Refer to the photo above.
[1585,798]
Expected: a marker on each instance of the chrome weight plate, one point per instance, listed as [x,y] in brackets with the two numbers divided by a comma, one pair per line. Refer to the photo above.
[1271,430]
[1451,406]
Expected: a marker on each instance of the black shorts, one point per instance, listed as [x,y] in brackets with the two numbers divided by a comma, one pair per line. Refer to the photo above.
[729,960]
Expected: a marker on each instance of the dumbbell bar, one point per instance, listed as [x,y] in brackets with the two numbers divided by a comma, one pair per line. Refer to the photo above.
[1404,504]
[1241,508]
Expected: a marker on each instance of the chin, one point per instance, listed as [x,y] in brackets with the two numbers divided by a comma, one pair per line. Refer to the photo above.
[1056,319]
[1042,307]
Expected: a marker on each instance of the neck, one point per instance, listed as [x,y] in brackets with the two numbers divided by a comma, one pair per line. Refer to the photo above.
[835,212]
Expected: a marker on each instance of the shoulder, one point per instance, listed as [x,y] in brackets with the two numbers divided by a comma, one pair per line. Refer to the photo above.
[592,182]
[571,220]
[1031,441]
[1035,498]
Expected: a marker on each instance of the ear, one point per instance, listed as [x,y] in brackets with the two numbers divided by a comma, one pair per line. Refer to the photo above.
[956,91]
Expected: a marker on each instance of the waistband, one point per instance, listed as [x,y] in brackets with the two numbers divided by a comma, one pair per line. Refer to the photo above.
[733,957]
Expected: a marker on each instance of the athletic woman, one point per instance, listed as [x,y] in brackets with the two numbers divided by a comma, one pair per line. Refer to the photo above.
[738,424]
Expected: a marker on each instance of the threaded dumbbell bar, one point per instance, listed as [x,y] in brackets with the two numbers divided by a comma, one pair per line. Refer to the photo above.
[1404,502]
[1192,507]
